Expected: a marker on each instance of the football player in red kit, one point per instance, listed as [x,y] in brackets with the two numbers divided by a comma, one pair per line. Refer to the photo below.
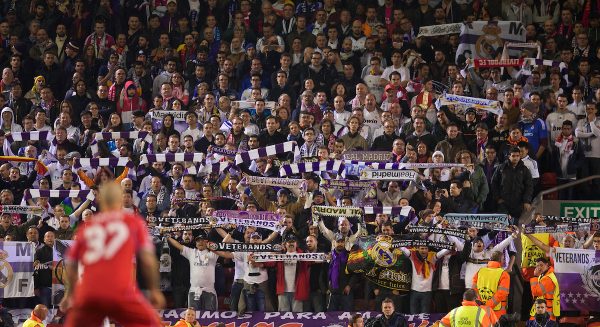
[106,248]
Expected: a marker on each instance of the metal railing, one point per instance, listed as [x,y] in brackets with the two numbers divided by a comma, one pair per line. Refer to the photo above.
[527,216]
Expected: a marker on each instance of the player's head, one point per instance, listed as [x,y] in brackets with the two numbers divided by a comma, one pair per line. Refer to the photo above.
[110,196]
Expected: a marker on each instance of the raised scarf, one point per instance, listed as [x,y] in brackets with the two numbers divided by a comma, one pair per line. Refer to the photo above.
[337,260]
[565,144]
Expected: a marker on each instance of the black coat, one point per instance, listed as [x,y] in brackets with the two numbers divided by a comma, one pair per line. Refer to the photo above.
[512,184]
[384,142]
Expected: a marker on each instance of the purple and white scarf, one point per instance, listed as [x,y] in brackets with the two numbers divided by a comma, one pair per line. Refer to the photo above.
[107,136]
[222,151]
[102,162]
[25,136]
[336,166]
[195,157]
[37,193]
[270,150]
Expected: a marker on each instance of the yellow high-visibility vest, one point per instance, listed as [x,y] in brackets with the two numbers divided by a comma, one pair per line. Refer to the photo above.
[32,323]
[487,284]
[555,297]
[467,316]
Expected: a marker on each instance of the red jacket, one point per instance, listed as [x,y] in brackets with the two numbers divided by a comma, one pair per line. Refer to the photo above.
[302,278]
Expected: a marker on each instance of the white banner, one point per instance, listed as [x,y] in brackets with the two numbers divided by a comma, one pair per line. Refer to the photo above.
[267,257]
[483,39]
[179,115]
[16,269]
[388,175]
[443,29]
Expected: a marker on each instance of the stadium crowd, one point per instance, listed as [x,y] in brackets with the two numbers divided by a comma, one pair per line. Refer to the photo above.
[214,79]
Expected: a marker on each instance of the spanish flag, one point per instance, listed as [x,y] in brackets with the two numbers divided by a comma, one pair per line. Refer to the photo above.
[40,168]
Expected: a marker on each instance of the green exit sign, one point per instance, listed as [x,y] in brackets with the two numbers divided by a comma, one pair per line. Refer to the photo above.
[580,210]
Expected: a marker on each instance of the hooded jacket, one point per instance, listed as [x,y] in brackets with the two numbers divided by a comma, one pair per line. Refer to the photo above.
[127,105]
[13,127]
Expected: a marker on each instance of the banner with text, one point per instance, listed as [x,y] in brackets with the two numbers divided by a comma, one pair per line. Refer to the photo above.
[483,39]
[388,175]
[577,273]
[16,269]
[381,263]
[368,156]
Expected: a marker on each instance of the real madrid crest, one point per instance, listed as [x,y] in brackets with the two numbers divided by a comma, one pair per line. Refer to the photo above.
[489,42]
[382,253]
[6,272]
[591,278]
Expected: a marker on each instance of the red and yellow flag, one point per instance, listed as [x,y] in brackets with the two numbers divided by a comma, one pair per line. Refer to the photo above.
[40,168]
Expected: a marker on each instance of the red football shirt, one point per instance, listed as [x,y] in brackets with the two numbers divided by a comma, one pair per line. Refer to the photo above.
[106,247]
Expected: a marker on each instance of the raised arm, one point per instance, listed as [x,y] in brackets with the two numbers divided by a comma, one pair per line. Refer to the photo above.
[174,243]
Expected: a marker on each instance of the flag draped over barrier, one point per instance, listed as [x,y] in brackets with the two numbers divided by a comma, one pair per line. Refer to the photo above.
[577,273]
[16,269]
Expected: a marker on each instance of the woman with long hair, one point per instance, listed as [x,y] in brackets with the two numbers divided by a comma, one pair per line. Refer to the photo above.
[114,123]
[338,89]
[168,126]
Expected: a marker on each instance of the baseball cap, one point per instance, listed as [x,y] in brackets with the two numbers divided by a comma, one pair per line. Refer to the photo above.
[201,236]
[291,238]
[72,155]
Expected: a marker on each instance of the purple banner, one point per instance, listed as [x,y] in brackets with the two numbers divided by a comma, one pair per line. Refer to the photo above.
[371,156]
[285,319]
[578,275]
[263,319]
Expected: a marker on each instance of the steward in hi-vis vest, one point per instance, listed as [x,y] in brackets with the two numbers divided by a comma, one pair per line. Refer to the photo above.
[545,286]
[492,284]
[470,314]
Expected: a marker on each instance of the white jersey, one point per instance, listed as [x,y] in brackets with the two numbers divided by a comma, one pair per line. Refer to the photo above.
[554,123]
